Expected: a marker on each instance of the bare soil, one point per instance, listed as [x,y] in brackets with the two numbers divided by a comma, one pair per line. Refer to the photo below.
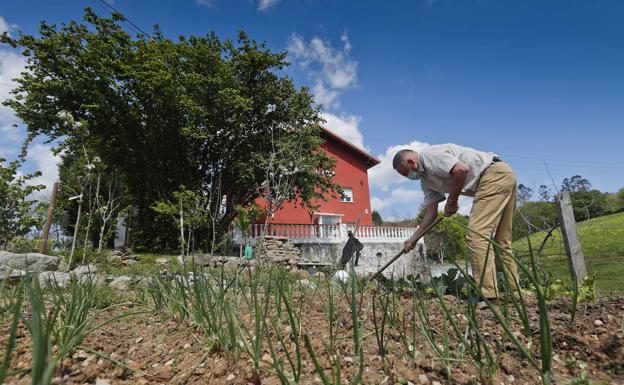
[156,349]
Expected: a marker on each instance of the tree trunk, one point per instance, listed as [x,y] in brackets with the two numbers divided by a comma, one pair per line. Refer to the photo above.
[73,248]
[86,240]
[97,194]
[48,223]
[99,251]
[181,227]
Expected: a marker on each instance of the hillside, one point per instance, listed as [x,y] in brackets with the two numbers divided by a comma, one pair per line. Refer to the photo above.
[602,240]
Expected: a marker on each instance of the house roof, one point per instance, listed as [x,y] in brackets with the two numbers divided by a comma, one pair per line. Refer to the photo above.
[369,160]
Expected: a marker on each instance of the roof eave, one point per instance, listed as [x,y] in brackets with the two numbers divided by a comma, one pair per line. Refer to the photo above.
[370,160]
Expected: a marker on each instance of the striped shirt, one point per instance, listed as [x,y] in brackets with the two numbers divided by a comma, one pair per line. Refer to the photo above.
[437,162]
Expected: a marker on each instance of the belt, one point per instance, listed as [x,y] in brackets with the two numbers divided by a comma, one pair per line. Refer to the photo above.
[495,159]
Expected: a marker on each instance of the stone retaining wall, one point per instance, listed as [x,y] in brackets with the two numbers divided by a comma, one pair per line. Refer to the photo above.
[276,251]
[373,256]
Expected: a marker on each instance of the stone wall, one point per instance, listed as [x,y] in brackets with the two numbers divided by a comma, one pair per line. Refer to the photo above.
[373,256]
[276,251]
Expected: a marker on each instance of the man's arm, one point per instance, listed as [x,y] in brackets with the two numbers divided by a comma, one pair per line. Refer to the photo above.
[431,212]
[459,172]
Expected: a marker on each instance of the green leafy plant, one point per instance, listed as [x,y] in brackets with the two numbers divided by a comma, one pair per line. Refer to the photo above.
[582,379]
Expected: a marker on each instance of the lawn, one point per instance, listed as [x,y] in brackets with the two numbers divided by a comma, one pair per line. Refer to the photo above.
[602,240]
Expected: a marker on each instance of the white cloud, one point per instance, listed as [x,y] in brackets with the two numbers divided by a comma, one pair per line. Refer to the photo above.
[46,162]
[465,204]
[346,126]
[331,69]
[398,195]
[11,65]
[5,26]
[383,176]
[263,5]
[208,3]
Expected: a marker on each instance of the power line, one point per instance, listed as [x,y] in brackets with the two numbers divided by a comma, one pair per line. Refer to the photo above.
[541,160]
[136,29]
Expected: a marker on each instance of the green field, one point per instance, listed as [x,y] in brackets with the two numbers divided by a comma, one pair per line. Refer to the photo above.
[602,240]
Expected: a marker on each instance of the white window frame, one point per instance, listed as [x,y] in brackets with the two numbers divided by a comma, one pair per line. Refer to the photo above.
[347,198]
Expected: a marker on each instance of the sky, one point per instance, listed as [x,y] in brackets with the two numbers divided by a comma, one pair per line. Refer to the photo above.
[539,82]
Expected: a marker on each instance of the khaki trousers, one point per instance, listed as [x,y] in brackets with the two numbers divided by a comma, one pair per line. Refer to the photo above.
[491,216]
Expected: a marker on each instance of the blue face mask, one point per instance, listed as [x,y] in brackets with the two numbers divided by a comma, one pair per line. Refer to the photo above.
[415,175]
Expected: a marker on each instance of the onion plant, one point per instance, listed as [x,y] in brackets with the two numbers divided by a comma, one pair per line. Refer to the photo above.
[545,367]
[12,303]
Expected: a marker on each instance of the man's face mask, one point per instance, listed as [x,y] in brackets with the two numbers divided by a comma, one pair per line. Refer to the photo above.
[416,174]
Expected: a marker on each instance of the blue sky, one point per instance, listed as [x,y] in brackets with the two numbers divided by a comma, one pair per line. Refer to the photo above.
[535,81]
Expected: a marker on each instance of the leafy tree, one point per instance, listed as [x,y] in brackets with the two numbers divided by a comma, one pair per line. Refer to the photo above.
[377,221]
[524,194]
[287,168]
[575,183]
[245,217]
[188,209]
[533,217]
[196,112]
[448,239]
[17,208]
[620,197]
[109,201]
[588,204]
[619,200]
[545,193]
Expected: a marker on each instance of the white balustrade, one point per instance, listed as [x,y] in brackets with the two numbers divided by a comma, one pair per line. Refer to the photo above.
[308,233]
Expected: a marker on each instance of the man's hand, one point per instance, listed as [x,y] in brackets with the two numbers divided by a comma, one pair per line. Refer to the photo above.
[451,207]
[409,245]
[459,173]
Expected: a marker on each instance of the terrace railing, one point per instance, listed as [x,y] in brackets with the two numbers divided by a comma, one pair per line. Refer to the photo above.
[307,233]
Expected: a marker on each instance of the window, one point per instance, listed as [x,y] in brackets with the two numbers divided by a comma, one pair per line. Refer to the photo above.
[347,195]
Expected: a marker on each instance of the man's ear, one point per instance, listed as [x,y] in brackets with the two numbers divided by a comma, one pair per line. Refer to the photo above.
[411,163]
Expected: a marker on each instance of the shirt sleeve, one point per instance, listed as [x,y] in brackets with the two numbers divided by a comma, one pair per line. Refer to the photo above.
[432,196]
[439,162]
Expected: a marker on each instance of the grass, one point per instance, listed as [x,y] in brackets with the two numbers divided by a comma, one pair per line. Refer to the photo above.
[146,265]
[602,240]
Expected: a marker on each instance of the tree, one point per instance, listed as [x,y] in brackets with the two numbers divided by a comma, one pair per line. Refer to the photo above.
[17,208]
[377,221]
[524,194]
[108,203]
[619,197]
[588,204]
[196,112]
[545,193]
[533,217]
[292,174]
[575,183]
[448,239]
[245,217]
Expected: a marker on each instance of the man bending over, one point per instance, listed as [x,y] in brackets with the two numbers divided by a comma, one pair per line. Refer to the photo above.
[454,170]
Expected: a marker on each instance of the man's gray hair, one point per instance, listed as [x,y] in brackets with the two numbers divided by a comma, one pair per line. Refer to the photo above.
[399,157]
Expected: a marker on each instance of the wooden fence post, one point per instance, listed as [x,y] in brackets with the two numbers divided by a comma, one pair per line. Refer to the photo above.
[576,260]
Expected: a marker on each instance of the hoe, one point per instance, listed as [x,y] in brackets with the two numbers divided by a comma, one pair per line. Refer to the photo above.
[384,267]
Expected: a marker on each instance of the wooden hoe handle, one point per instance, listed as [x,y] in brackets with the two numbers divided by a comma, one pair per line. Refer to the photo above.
[384,267]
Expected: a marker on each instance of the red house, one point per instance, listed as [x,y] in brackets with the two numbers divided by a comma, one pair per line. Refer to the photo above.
[351,173]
